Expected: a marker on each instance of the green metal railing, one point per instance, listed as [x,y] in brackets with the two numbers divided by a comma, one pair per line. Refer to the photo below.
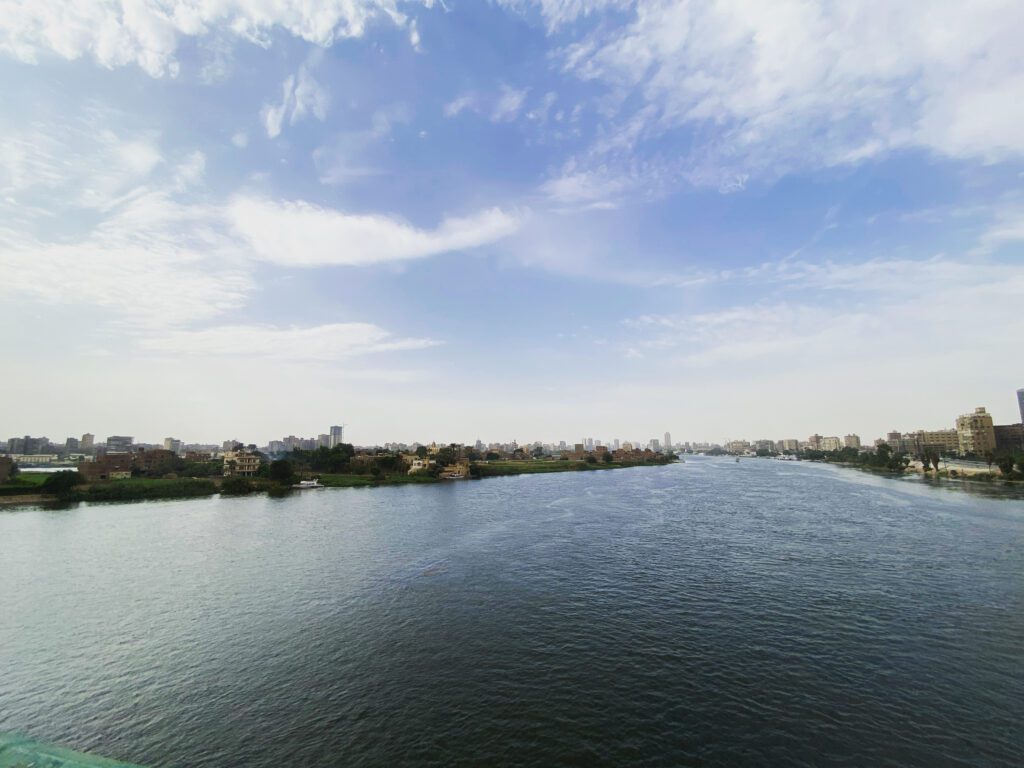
[19,752]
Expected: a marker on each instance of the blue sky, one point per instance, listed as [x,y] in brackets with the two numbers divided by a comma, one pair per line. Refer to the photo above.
[509,219]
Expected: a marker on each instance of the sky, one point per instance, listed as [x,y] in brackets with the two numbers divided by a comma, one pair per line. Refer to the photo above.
[516,219]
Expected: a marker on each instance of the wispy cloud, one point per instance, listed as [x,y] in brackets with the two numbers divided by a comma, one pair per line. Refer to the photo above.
[758,90]
[301,95]
[501,106]
[302,234]
[148,33]
[334,341]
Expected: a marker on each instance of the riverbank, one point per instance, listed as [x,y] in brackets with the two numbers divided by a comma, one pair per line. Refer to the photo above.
[26,489]
[958,472]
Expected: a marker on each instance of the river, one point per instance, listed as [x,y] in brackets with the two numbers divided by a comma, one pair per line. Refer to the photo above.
[710,613]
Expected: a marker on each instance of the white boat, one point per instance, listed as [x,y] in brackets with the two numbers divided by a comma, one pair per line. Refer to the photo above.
[303,484]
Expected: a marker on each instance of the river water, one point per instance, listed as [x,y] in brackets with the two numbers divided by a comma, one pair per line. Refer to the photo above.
[707,613]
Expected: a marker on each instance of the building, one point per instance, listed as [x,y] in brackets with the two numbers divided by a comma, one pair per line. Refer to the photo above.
[851,441]
[27,445]
[1009,437]
[737,446]
[173,445]
[789,444]
[668,441]
[655,445]
[154,458]
[942,441]
[1020,404]
[336,436]
[976,433]
[119,443]
[117,466]
[895,441]
[241,463]
[831,444]
[6,467]
[88,442]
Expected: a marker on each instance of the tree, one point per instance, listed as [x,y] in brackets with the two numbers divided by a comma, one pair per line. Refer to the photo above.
[421,452]
[281,471]
[607,457]
[1005,464]
[446,456]
[989,459]
[60,483]
[236,486]
[928,458]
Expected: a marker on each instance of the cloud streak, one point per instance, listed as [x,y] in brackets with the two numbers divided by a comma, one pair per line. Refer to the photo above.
[324,343]
[147,32]
[303,234]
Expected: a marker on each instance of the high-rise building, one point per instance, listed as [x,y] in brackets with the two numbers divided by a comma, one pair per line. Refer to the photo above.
[88,442]
[71,445]
[336,436]
[1020,404]
[615,444]
[668,441]
[976,433]
[851,441]
[172,444]
[655,445]
[831,444]
[323,441]
[119,443]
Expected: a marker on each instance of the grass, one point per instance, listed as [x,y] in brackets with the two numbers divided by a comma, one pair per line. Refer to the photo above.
[502,468]
[138,489]
[365,481]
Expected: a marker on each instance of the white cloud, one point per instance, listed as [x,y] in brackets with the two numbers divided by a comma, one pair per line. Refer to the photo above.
[500,107]
[458,104]
[557,13]
[509,102]
[147,32]
[767,88]
[333,341]
[806,317]
[240,139]
[153,263]
[78,162]
[302,234]
[352,155]
[301,94]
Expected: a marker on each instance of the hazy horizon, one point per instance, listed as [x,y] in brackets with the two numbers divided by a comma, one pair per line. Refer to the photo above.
[509,220]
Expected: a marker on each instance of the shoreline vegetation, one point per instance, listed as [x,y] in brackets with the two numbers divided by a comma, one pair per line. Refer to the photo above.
[1009,468]
[66,487]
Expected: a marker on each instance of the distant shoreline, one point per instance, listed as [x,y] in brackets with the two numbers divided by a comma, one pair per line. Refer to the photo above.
[147,489]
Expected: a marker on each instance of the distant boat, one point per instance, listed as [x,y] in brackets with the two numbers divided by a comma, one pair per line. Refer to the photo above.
[737,459]
[303,484]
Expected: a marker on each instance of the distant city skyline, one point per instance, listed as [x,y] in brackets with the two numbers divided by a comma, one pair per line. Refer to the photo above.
[336,434]
[520,218]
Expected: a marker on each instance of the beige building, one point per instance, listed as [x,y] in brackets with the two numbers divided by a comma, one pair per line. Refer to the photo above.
[831,444]
[851,441]
[940,440]
[241,463]
[976,433]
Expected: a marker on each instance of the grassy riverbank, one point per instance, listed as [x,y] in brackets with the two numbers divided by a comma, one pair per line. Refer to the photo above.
[27,488]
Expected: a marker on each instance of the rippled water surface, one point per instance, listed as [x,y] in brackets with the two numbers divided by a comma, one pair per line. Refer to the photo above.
[709,613]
